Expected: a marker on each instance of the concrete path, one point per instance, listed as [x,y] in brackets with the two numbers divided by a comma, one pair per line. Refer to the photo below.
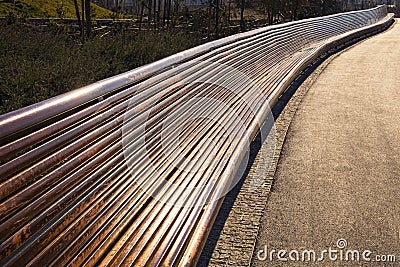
[339,174]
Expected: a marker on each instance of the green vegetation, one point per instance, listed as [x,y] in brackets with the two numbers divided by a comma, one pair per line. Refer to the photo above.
[38,63]
[47,9]
[41,61]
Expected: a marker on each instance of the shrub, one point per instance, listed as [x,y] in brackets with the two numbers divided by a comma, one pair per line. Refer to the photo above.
[40,62]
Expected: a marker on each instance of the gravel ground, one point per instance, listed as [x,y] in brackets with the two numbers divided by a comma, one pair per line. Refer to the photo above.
[337,184]
[334,172]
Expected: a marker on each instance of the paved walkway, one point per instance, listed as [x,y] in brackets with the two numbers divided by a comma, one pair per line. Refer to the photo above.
[339,174]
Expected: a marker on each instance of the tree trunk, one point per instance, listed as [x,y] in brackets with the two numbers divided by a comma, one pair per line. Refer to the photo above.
[83,18]
[209,19]
[141,15]
[78,16]
[164,12]
[229,12]
[88,19]
[154,3]
[242,23]
[158,13]
[217,19]
[149,15]
[169,12]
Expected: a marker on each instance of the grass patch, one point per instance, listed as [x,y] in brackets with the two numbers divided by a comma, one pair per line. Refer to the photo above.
[47,9]
[40,62]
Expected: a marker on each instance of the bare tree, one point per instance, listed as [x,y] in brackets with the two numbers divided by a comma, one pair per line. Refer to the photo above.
[169,12]
[142,6]
[242,22]
[155,13]
[78,16]
[216,18]
[229,12]
[165,12]
[84,17]
[88,19]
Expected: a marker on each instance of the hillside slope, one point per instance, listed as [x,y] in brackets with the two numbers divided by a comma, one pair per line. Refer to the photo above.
[46,9]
